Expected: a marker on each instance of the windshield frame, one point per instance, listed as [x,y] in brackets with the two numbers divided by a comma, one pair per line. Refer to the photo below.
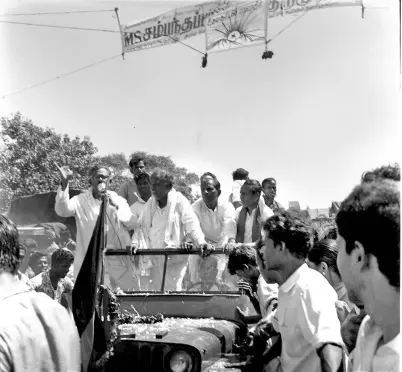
[166,252]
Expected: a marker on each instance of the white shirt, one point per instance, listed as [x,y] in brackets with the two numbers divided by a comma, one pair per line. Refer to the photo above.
[136,209]
[248,232]
[306,318]
[157,230]
[218,225]
[265,292]
[85,208]
[366,357]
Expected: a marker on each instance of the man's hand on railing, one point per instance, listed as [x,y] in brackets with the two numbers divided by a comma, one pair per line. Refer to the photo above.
[186,246]
[206,249]
[229,246]
[132,249]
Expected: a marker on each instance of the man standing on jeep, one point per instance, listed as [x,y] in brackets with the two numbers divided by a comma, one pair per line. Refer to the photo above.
[128,190]
[85,207]
[217,221]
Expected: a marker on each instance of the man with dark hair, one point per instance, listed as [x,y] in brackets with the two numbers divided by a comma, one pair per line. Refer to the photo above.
[165,222]
[128,190]
[240,175]
[250,216]
[388,172]
[269,194]
[36,333]
[369,262]
[243,263]
[55,282]
[20,275]
[217,220]
[85,207]
[38,263]
[306,315]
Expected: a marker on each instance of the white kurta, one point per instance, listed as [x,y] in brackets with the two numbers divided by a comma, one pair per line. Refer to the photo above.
[85,208]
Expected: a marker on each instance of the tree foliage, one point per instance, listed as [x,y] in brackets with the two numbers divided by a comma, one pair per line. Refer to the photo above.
[182,178]
[28,155]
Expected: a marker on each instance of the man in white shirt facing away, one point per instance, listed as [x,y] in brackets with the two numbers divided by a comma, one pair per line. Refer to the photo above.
[217,221]
[306,316]
[369,263]
[36,333]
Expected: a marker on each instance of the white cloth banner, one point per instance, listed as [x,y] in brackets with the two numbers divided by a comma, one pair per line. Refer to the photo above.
[247,23]
[178,24]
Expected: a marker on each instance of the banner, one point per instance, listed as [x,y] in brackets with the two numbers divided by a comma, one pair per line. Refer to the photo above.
[237,27]
[244,25]
[178,24]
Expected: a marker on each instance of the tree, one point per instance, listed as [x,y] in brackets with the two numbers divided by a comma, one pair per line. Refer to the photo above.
[28,155]
[182,178]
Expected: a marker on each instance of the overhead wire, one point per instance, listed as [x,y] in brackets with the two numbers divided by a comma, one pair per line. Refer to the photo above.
[56,26]
[55,13]
[60,76]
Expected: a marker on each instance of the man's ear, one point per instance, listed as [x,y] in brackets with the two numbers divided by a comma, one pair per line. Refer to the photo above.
[245,267]
[359,256]
[324,267]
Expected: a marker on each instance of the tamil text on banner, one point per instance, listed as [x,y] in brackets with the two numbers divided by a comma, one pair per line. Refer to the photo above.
[178,24]
[236,27]
[84,297]
[244,24]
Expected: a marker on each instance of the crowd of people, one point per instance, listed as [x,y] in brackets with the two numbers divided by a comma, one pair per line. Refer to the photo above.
[324,301]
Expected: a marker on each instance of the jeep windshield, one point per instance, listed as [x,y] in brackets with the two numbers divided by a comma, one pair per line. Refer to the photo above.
[168,270]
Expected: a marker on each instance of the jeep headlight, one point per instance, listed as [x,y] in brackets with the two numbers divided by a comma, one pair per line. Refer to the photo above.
[180,361]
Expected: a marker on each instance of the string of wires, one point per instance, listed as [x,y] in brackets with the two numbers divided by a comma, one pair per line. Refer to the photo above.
[55,13]
[61,76]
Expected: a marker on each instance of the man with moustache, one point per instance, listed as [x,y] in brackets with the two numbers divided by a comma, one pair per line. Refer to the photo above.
[269,194]
[128,190]
[85,207]
[217,221]
[306,316]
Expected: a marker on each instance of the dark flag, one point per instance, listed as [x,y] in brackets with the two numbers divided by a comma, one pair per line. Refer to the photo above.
[84,296]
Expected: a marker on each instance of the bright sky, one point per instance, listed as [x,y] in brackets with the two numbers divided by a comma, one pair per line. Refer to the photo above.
[316,116]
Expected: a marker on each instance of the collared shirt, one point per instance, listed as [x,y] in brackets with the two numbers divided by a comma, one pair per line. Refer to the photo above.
[36,334]
[24,279]
[85,208]
[128,190]
[218,225]
[306,318]
[276,207]
[158,228]
[248,234]
[368,357]
[42,283]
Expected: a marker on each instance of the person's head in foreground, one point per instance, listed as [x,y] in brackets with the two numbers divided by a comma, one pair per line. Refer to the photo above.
[161,184]
[322,258]
[369,249]
[143,182]
[38,262]
[9,247]
[250,193]
[210,189]
[242,261]
[385,172]
[285,243]
[240,174]
[62,259]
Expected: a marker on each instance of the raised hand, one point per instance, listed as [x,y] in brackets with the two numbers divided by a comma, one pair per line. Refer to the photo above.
[66,174]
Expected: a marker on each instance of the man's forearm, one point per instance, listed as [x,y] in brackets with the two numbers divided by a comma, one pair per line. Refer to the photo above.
[331,357]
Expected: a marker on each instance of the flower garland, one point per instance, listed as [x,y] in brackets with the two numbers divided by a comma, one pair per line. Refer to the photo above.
[116,318]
